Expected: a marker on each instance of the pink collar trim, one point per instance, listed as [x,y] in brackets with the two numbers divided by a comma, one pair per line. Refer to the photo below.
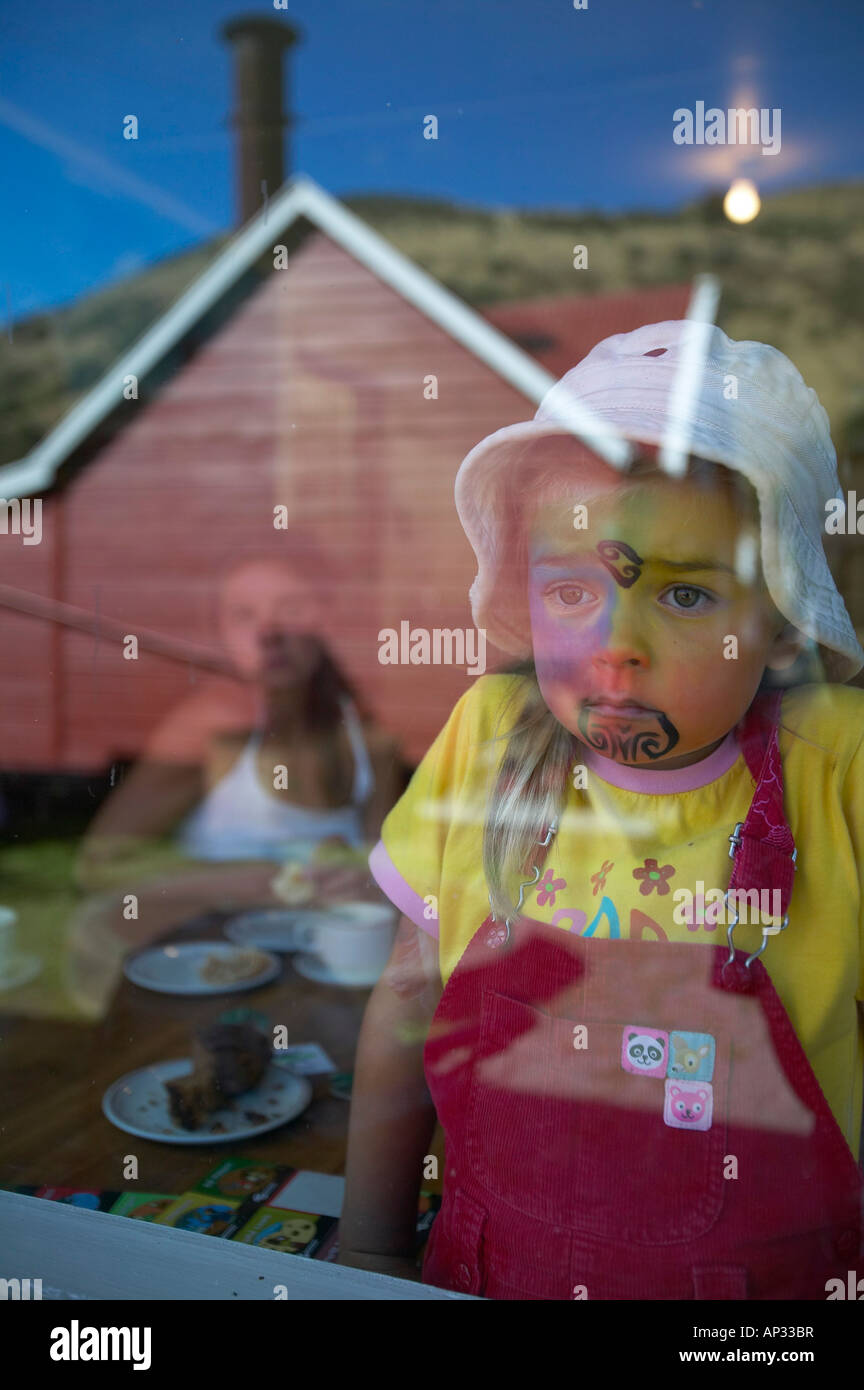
[679,779]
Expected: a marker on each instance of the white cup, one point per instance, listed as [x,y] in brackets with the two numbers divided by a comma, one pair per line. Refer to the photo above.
[353,940]
[8,918]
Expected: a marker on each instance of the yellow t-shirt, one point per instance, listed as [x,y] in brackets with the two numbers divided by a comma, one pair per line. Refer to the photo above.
[622,851]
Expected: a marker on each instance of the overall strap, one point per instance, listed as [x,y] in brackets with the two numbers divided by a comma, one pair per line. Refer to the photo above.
[763,846]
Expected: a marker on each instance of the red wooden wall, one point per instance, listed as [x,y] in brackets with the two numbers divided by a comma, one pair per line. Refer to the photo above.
[310,396]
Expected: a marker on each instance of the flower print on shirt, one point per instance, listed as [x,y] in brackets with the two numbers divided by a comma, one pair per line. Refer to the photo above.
[548,887]
[599,879]
[697,915]
[652,877]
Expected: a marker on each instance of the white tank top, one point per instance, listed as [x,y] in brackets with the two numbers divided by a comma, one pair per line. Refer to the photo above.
[239,819]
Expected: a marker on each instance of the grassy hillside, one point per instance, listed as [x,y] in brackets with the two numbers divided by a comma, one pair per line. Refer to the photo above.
[794,277]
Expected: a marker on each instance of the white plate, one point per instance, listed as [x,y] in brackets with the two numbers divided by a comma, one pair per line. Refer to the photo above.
[271,929]
[173,969]
[138,1103]
[311,968]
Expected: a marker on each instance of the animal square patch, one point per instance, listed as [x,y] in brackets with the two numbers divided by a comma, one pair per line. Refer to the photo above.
[691,1056]
[688,1105]
[644,1051]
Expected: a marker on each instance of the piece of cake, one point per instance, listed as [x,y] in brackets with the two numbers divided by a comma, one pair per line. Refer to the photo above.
[229,967]
[292,886]
[228,1059]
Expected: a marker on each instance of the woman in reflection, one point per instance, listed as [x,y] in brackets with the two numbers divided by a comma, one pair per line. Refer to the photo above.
[307,726]
[244,775]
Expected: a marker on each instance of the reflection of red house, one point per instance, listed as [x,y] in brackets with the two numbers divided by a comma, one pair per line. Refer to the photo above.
[301,386]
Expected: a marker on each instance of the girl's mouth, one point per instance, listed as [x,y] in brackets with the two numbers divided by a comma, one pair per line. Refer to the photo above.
[613,711]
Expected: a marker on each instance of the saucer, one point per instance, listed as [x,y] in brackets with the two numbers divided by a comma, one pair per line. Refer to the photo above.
[270,928]
[21,969]
[314,969]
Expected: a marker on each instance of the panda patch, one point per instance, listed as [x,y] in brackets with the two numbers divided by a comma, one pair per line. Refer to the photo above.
[644,1051]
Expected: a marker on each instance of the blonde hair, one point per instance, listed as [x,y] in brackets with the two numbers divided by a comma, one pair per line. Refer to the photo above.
[528,794]
[532,783]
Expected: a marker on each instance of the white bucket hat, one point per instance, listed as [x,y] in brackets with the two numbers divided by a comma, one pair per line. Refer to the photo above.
[740,404]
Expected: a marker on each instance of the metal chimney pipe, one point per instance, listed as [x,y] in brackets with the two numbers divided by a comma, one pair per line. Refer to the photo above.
[258,118]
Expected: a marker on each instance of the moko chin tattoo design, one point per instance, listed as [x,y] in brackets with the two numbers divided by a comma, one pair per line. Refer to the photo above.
[616,739]
[615,555]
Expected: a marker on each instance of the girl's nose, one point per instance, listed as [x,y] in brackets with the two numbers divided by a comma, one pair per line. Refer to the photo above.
[619,659]
[626,645]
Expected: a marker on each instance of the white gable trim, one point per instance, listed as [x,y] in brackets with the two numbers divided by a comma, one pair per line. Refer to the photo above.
[301,196]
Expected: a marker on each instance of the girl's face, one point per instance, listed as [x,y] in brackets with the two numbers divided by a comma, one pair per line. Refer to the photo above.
[649,640]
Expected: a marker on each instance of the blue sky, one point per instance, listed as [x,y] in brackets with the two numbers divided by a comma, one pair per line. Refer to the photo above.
[539,105]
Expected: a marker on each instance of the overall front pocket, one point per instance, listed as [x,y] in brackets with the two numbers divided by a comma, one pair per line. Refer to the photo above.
[567,1135]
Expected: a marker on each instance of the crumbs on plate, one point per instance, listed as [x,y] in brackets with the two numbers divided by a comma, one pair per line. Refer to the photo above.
[228,967]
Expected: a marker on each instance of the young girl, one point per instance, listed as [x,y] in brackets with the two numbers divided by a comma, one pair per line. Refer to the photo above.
[628,974]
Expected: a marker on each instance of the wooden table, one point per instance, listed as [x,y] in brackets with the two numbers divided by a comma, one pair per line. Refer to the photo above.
[53,1076]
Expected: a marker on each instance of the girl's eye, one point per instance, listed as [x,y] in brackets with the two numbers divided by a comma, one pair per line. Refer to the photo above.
[571,595]
[688,598]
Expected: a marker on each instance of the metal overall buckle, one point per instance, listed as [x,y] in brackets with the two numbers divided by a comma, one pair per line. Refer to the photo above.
[735,840]
[528,883]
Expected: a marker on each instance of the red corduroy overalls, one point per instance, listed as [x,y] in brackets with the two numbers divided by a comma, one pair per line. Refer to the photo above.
[637,1119]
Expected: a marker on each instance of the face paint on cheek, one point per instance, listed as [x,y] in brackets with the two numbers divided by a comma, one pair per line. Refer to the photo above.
[611,553]
[563,650]
[616,739]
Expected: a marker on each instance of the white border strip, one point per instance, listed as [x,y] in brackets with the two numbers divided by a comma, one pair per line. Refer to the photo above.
[98,1255]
